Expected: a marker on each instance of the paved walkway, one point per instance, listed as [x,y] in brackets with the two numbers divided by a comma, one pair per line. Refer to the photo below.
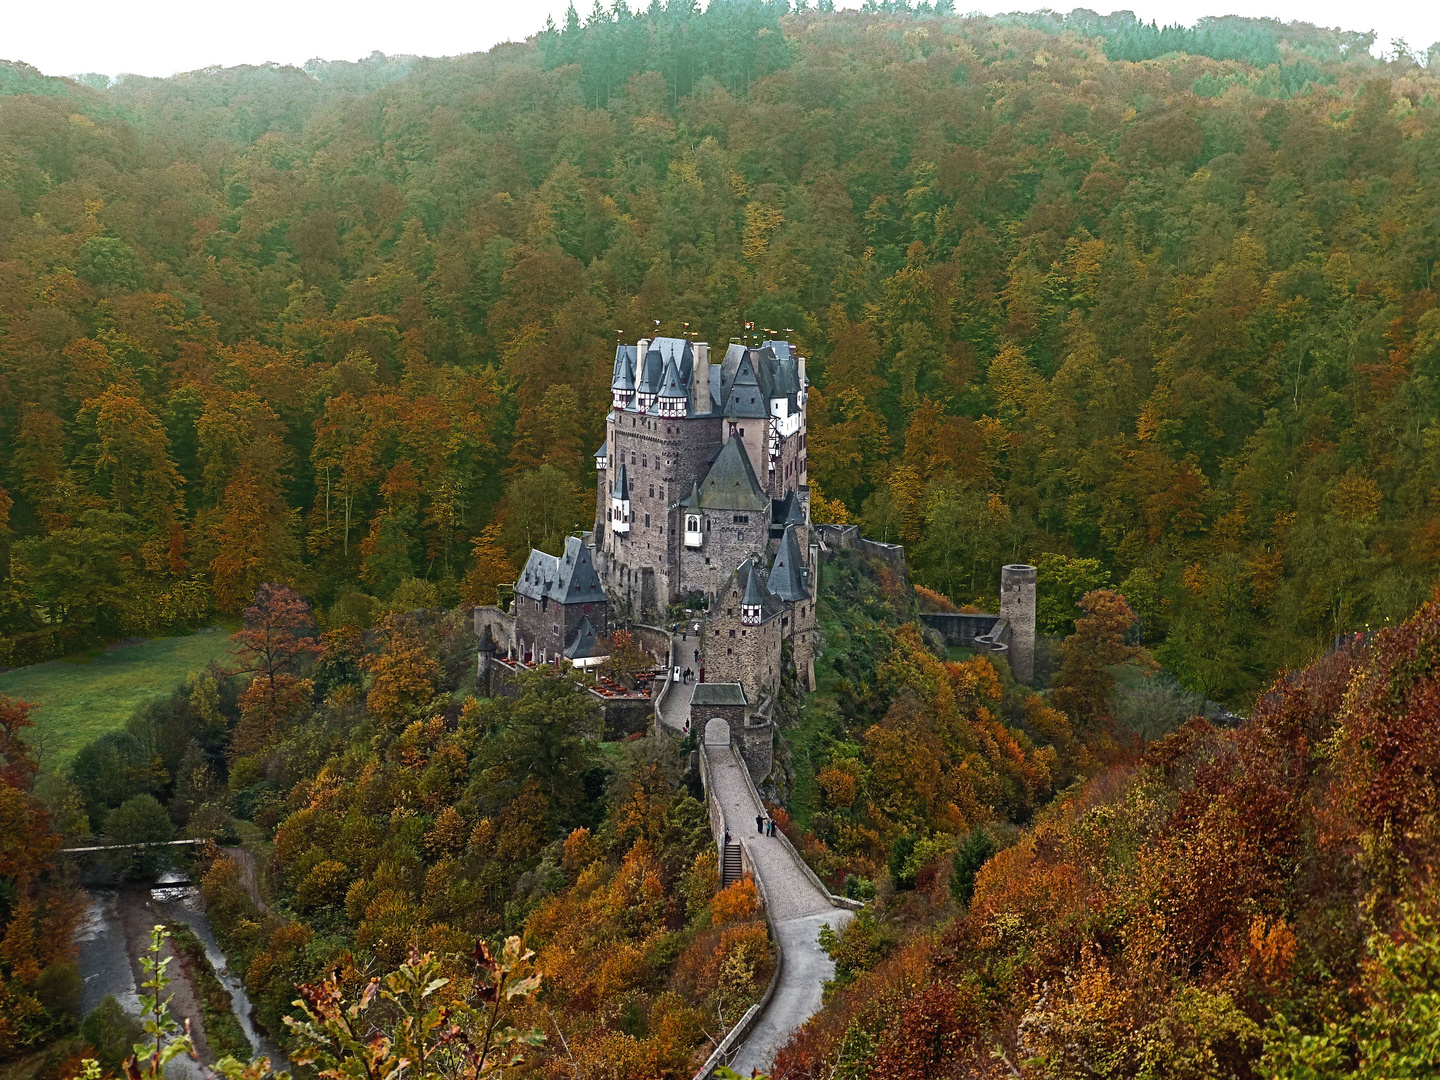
[674,711]
[797,910]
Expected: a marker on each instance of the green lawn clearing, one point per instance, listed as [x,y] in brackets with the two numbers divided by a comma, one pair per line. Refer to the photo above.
[81,698]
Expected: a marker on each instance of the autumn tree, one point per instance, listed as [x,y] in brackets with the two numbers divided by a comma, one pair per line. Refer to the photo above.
[1083,685]
[275,645]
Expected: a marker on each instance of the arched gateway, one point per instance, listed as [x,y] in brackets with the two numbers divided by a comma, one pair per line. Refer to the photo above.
[717,732]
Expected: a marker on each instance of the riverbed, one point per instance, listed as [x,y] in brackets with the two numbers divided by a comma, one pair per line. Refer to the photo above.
[115,933]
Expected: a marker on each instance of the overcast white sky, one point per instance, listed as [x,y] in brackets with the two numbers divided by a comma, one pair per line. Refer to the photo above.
[161,37]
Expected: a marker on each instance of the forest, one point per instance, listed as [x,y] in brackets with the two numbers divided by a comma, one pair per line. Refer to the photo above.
[319,354]
[1166,321]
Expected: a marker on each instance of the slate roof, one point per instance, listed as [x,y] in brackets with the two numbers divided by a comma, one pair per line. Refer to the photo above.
[751,378]
[717,693]
[754,591]
[671,386]
[787,511]
[789,578]
[584,643]
[652,369]
[673,348]
[749,580]
[730,484]
[623,377]
[621,490]
[566,579]
[692,501]
[602,456]
[624,363]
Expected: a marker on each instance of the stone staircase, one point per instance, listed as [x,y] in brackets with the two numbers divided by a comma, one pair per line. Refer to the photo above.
[731,870]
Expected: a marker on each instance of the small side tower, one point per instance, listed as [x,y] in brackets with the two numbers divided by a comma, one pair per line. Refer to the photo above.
[1017,606]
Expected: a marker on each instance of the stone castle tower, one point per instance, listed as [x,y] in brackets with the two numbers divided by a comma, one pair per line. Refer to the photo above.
[703,466]
[1017,605]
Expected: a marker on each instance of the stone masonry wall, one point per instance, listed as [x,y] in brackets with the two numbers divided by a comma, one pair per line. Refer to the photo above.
[547,626]
[727,544]
[664,457]
[749,655]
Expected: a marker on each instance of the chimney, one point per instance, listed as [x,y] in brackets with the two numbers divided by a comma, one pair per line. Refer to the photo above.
[641,348]
[700,384]
[801,364]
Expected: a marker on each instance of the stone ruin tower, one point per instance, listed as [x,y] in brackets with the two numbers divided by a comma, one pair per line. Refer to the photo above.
[1017,606]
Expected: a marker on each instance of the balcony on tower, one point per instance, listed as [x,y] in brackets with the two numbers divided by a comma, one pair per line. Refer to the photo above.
[694,519]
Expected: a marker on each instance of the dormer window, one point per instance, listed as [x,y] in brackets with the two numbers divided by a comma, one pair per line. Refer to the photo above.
[750,614]
[693,536]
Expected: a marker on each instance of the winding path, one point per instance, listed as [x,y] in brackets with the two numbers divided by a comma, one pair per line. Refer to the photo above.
[798,908]
[798,904]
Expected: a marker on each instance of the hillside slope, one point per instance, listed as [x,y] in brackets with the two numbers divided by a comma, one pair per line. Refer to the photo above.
[1157,302]
[1255,902]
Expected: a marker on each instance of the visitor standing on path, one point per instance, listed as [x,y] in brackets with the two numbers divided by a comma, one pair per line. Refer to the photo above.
[760,824]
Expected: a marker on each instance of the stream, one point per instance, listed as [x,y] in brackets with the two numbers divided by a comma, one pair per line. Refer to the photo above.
[106,960]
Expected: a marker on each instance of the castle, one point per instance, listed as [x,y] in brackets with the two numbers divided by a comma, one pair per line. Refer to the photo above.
[702,503]
[702,500]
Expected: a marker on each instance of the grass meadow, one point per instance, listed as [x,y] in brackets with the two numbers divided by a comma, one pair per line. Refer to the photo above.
[82,697]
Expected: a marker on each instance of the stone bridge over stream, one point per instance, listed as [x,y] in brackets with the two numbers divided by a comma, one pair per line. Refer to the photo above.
[796,901]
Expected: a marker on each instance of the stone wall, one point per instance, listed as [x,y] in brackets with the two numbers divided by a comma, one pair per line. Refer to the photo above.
[501,624]
[847,538]
[748,655]
[756,743]
[664,457]
[655,640]
[544,627]
[727,544]
[734,715]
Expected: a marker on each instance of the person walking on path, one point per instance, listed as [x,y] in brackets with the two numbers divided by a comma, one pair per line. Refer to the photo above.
[770,827]
[760,824]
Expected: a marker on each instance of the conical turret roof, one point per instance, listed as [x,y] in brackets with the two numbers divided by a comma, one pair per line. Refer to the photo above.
[787,572]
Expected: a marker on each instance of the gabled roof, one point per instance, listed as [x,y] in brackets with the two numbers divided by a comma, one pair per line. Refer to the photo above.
[730,484]
[692,501]
[652,369]
[621,488]
[670,386]
[744,397]
[584,643]
[566,579]
[751,378]
[787,511]
[717,693]
[789,578]
[672,348]
[602,455]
